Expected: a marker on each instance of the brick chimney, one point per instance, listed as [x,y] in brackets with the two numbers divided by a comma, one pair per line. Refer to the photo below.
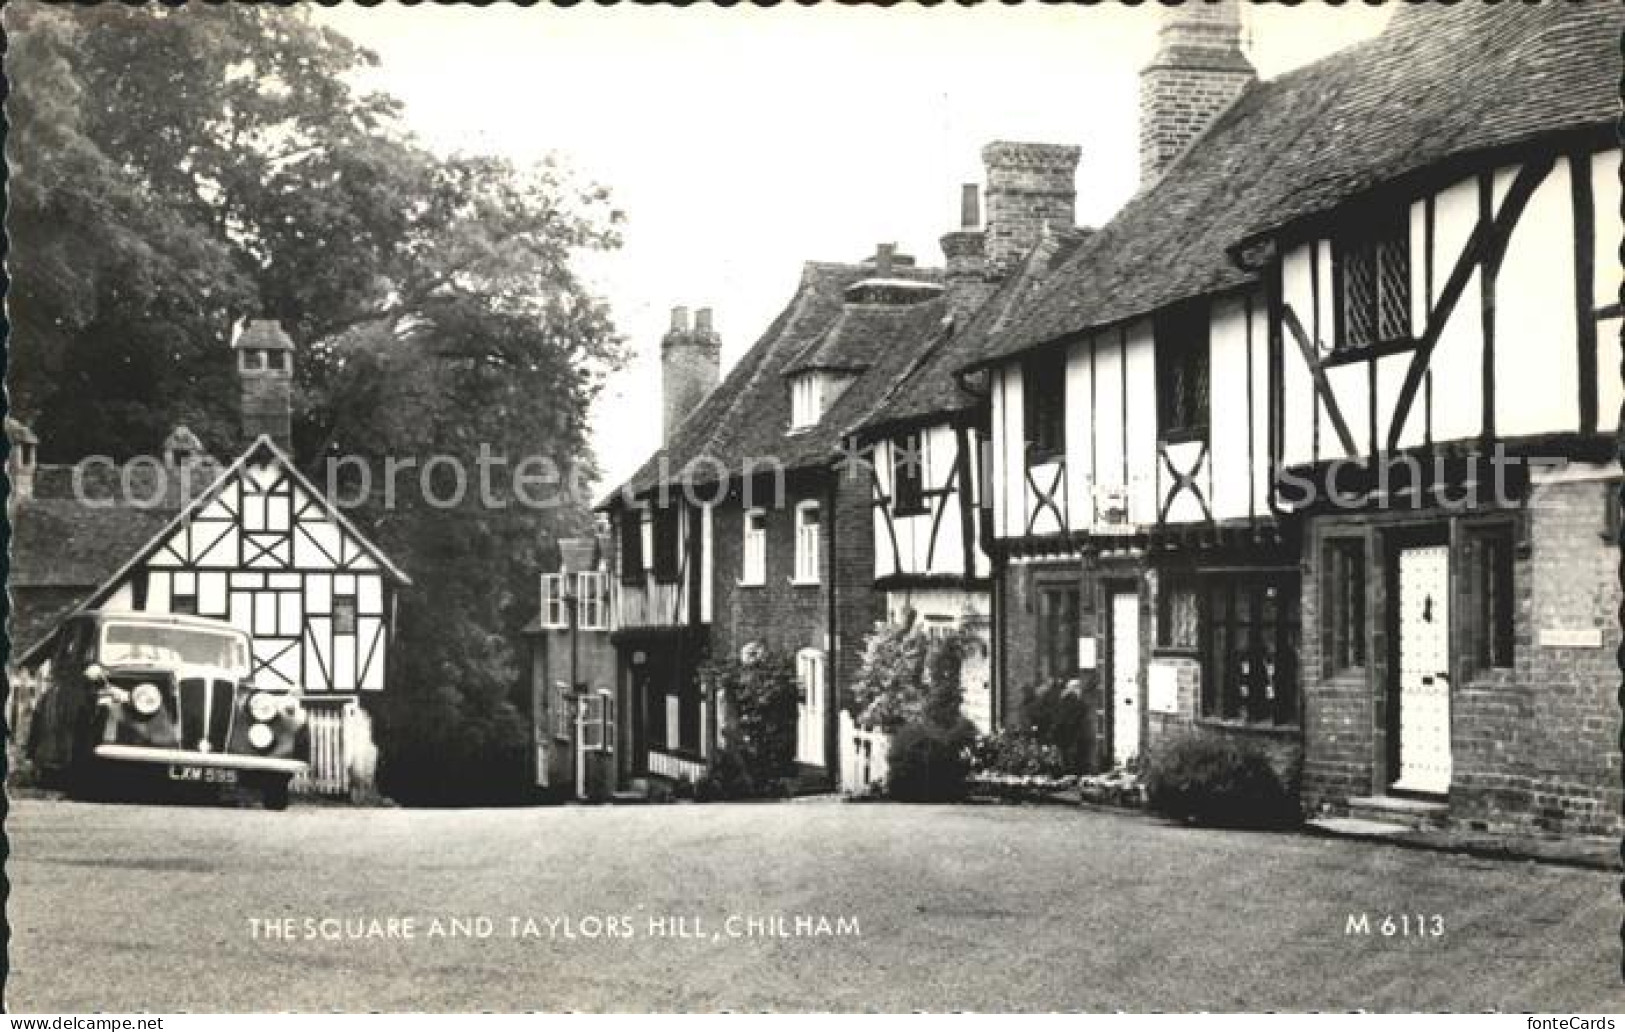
[265,371]
[690,362]
[1029,186]
[965,257]
[1198,72]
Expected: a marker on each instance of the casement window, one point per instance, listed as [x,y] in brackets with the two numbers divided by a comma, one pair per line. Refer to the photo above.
[808,532]
[908,474]
[564,712]
[804,407]
[753,565]
[666,527]
[1250,631]
[344,613]
[1043,393]
[1343,593]
[554,614]
[592,601]
[598,722]
[1182,350]
[1373,270]
[631,532]
[1178,617]
[1058,622]
[183,604]
[1490,587]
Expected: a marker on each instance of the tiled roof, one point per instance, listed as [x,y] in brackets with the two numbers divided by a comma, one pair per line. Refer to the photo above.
[264,333]
[748,415]
[1440,83]
[62,550]
[928,388]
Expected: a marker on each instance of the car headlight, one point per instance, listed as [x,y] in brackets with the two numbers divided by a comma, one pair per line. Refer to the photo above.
[260,736]
[262,706]
[146,699]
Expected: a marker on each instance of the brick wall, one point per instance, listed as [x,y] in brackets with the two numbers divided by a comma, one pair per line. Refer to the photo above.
[1199,69]
[789,617]
[1029,185]
[1533,747]
[690,363]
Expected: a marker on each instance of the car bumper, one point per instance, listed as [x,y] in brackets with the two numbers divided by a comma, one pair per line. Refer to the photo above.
[182,757]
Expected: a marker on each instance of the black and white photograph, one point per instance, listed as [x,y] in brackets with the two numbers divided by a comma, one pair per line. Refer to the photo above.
[819,508]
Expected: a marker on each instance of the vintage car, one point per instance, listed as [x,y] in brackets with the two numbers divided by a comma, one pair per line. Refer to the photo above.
[134,695]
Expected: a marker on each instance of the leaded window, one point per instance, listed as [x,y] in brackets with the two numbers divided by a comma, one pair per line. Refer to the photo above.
[1374,269]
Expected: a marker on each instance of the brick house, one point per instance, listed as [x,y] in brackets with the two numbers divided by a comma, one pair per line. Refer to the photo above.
[572,675]
[1242,440]
[747,527]
[253,542]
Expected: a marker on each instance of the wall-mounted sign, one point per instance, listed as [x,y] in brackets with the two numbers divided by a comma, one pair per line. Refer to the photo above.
[1087,659]
[1162,689]
[1571,637]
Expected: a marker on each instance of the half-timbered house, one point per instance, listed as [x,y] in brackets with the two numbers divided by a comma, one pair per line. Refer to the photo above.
[925,439]
[1245,444]
[254,543]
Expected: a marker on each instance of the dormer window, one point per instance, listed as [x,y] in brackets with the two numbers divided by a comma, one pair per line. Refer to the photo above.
[811,395]
[1373,269]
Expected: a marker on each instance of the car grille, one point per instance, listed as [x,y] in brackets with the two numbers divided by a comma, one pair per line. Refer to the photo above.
[206,710]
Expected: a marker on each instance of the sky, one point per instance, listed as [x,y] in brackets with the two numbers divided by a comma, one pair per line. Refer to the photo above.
[741,142]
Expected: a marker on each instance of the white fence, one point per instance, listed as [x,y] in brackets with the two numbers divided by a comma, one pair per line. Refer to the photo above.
[863,757]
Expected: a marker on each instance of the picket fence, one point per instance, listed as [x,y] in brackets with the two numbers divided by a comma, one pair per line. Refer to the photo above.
[863,757]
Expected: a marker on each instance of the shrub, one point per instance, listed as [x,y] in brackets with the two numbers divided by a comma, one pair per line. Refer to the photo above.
[727,779]
[908,675]
[762,693]
[1212,780]
[1059,716]
[1012,752]
[929,762]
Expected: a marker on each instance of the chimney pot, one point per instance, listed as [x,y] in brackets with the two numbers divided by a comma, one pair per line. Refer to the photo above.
[690,366]
[970,206]
[884,256]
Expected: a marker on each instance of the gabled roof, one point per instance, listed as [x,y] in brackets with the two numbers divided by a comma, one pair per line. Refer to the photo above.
[1440,83]
[748,415]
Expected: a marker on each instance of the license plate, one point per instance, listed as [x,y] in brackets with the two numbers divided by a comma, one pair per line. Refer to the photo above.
[207,775]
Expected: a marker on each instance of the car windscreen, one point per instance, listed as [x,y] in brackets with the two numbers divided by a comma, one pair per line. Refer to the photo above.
[172,646]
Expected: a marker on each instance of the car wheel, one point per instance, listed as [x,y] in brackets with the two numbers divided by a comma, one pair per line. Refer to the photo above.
[274,796]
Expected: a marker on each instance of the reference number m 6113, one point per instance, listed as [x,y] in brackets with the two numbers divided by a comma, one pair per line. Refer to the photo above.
[1396,926]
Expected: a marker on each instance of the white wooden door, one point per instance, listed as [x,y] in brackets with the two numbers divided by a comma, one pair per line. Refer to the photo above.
[1125,646]
[1424,669]
[810,712]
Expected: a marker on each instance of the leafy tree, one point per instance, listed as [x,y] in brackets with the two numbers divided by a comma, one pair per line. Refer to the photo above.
[175,170]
